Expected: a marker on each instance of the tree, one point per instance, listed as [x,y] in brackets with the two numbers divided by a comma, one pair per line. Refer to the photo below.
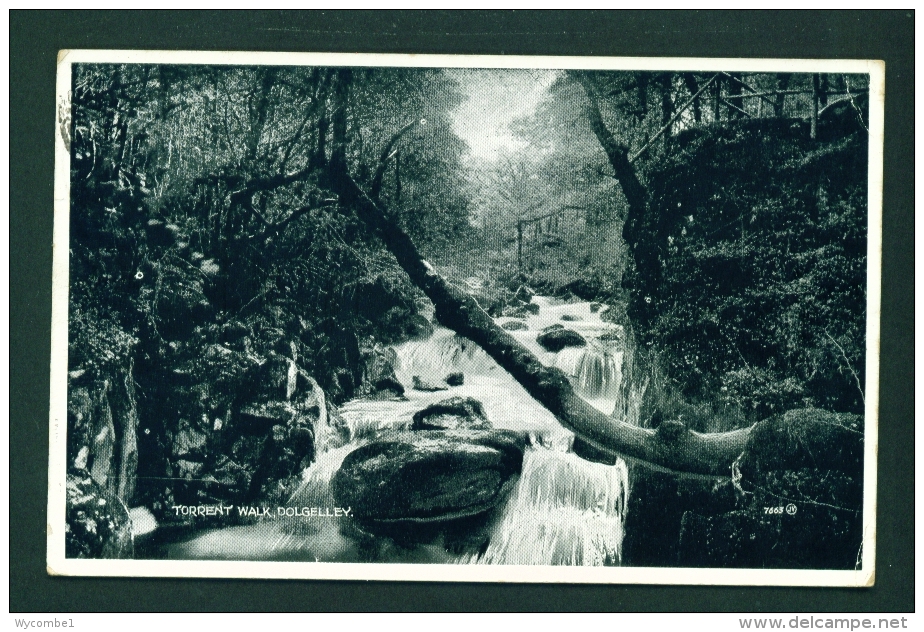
[208,200]
[708,297]
[672,446]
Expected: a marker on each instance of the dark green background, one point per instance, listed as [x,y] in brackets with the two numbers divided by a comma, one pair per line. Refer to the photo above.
[35,38]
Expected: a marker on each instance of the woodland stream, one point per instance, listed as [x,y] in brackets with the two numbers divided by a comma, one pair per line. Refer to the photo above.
[561,510]
[246,241]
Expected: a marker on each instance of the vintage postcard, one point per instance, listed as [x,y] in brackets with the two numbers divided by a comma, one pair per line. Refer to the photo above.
[448,318]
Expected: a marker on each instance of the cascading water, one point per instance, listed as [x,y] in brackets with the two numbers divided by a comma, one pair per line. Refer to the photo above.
[595,369]
[507,404]
[562,510]
[599,375]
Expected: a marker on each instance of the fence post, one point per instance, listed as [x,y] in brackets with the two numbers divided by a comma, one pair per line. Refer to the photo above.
[520,246]
[815,89]
[782,83]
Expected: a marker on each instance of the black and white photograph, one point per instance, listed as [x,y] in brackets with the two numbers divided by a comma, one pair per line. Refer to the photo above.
[448,318]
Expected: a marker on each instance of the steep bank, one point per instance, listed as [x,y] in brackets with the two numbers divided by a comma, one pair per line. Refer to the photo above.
[750,269]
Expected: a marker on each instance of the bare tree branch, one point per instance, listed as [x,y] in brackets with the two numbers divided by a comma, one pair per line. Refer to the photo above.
[618,155]
[676,115]
[376,187]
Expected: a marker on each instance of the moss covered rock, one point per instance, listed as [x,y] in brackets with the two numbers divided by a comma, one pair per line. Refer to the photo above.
[558,339]
[435,476]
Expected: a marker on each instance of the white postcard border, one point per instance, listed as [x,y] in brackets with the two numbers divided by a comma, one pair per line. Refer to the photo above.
[58,564]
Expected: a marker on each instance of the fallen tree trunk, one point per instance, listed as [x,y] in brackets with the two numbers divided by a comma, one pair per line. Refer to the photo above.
[671,446]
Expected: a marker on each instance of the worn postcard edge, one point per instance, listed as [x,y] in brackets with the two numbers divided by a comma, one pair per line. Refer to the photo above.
[58,564]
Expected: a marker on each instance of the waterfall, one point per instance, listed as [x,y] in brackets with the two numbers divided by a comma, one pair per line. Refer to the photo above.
[564,511]
[597,366]
[442,353]
[508,405]
[599,374]
[314,490]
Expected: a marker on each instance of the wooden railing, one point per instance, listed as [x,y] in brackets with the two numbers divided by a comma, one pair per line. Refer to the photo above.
[720,96]
[818,92]
[553,221]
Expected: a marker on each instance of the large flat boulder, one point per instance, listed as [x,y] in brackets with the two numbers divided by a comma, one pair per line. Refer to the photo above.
[428,477]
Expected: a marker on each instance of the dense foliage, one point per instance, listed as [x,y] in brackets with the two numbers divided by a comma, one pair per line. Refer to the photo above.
[751,268]
[205,240]
[205,236]
[198,199]
[228,285]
